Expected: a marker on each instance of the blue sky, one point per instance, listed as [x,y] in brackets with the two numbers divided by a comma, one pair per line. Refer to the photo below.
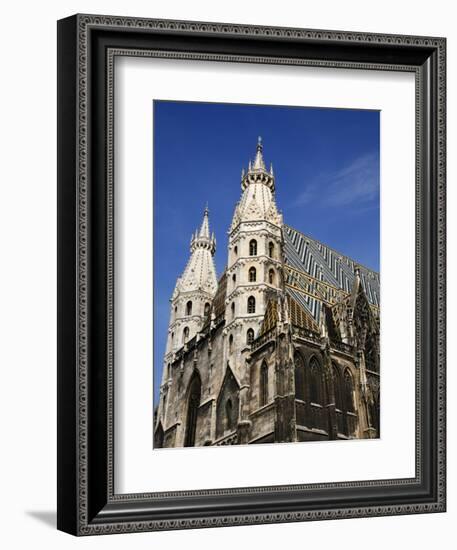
[326,164]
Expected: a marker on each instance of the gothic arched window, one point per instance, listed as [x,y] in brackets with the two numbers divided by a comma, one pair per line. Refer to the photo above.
[232,307]
[235,251]
[315,385]
[229,414]
[339,403]
[158,437]
[251,304]
[271,249]
[231,343]
[185,335]
[271,276]
[189,308]
[253,248]
[234,279]
[194,395]
[348,391]
[207,309]
[263,384]
[252,275]
[299,377]
[249,336]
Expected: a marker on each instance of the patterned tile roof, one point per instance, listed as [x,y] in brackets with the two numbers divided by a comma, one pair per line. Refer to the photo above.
[322,263]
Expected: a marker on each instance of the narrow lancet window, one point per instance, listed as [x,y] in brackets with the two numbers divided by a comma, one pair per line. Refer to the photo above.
[263,384]
[253,248]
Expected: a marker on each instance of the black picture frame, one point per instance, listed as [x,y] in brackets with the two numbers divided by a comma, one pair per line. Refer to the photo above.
[87,45]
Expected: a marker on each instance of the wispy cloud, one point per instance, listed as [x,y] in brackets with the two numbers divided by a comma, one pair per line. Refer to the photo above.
[356,184]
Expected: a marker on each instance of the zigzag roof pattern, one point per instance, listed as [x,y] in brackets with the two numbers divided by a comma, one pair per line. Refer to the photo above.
[308,255]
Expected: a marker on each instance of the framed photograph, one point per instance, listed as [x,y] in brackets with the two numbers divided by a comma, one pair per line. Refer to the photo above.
[251,274]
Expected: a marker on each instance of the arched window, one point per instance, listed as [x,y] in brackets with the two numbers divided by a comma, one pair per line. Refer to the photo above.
[315,382]
[251,304]
[189,308]
[299,377]
[185,335]
[253,248]
[234,279]
[235,251]
[172,337]
[348,391]
[207,309]
[176,310]
[271,276]
[249,336]
[339,403]
[271,249]
[158,437]
[194,395]
[252,274]
[231,343]
[232,307]
[168,371]
[229,414]
[263,384]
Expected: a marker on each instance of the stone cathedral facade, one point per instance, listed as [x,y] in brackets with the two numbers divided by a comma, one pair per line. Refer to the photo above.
[282,347]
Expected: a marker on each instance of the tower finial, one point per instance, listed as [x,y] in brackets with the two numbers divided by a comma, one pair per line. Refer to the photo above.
[204,229]
[259,163]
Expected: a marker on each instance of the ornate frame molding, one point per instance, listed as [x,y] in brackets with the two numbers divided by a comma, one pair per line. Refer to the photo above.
[87,506]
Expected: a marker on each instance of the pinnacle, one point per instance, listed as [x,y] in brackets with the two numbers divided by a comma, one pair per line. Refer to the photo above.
[204,229]
[259,163]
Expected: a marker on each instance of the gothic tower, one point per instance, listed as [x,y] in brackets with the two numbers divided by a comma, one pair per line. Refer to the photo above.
[280,349]
[254,258]
[193,294]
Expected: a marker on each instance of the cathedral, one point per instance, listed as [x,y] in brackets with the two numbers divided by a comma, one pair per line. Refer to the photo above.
[282,347]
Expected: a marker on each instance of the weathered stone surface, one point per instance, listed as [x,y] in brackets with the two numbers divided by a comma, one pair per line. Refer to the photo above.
[264,356]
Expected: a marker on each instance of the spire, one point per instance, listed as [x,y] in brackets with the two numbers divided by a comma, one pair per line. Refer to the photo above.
[204,229]
[202,238]
[257,201]
[200,271]
[257,171]
[259,163]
